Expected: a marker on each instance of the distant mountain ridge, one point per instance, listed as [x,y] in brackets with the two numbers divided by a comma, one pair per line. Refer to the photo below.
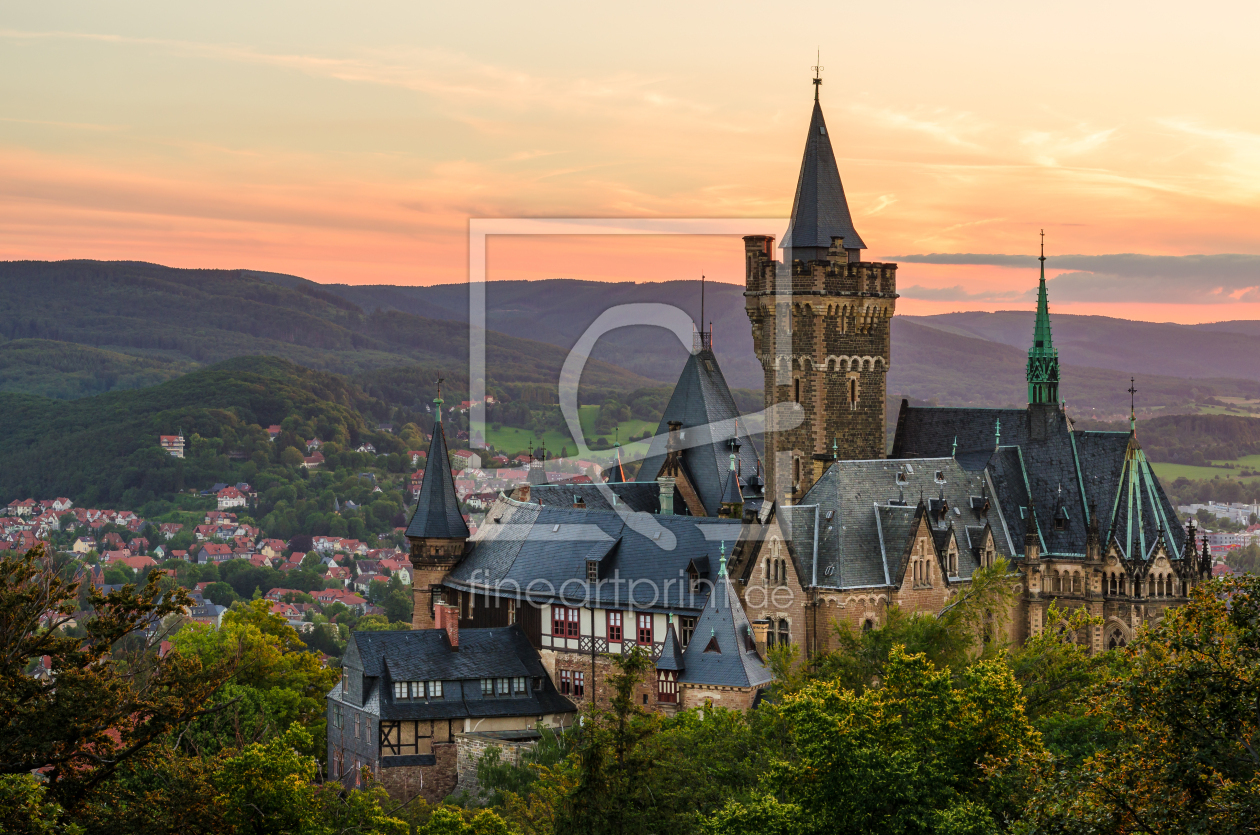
[959,358]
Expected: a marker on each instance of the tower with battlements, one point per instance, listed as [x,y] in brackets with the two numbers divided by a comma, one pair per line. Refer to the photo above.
[820,325]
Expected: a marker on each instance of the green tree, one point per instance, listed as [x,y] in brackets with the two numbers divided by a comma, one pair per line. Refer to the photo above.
[915,755]
[111,696]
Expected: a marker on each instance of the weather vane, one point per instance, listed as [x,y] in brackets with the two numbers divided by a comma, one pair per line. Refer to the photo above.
[1132,403]
[817,68]
[1043,246]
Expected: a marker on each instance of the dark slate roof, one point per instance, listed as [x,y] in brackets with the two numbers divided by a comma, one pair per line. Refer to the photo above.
[522,543]
[930,432]
[723,622]
[639,496]
[671,654]
[437,508]
[702,397]
[861,514]
[426,655]
[819,209]
[537,471]
[731,493]
[1060,474]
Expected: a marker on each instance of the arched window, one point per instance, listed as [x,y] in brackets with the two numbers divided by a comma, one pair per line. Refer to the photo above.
[796,471]
[868,625]
[852,393]
[1116,639]
[1150,587]
[785,632]
[796,390]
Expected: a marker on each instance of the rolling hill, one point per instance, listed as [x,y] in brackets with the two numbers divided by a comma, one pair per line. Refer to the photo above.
[150,322]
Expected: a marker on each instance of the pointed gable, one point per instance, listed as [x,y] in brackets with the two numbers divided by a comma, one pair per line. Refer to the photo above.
[437,513]
[702,402]
[722,652]
[820,210]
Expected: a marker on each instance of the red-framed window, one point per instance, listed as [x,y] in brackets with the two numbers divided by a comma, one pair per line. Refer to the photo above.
[566,682]
[579,683]
[614,626]
[564,622]
[667,686]
[645,629]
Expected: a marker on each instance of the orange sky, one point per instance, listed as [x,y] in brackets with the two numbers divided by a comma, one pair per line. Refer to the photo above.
[353,143]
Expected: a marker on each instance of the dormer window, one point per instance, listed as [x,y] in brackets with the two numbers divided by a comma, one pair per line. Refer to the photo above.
[901,478]
[693,577]
[592,571]
[940,476]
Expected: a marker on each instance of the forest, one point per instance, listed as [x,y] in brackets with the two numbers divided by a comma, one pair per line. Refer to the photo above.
[925,724]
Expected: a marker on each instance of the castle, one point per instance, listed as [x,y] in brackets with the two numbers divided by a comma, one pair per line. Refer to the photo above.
[715,553]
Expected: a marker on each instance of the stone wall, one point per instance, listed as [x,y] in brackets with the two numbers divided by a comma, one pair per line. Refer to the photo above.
[431,782]
[471,747]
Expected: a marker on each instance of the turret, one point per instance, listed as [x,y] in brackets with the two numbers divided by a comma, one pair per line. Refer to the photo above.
[437,533]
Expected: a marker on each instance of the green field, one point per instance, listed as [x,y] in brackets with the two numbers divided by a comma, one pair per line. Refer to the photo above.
[1171,472]
[512,441]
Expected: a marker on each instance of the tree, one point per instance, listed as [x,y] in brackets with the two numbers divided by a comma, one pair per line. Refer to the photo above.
[1182,701]
[220,593]
[915,755]
[110,697]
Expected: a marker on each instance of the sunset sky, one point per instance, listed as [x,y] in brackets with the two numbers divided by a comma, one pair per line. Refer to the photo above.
[352,142]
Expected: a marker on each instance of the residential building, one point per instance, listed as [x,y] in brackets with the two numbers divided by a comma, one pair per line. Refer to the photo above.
[172,444]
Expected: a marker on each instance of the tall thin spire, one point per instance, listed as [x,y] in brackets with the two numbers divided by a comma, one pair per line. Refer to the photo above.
[1043,357]
[1132,406]
[820,210]
[817,68]
[438,400]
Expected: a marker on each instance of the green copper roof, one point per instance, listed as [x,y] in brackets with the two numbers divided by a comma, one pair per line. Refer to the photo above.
[1043,358]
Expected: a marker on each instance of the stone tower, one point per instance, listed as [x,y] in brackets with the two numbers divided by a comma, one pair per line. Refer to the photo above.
[820,326]
[437,533]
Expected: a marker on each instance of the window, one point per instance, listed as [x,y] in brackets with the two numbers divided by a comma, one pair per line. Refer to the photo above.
[345,683]
[853,399]
[579,683]
[487,687]
[785,633]
[503,687]
[564,622]
[688,629]
[338,720]
[592,571]
[614,626]
[667,686]
[400,690]
[518,686]
[566,683]
[356,725]
[693,577]
[645,629]
[435,689]
[796,471]
[796,391]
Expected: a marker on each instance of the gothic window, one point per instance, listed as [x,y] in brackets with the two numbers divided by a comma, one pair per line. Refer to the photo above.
[796,471]
[853,397]
[1116,639]
[868,625]
[796,391]
[785,633]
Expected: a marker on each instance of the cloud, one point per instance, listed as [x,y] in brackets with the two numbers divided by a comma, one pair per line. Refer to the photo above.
[1126,277]
[961,294]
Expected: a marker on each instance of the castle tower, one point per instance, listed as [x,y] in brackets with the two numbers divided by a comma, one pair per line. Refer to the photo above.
[820,325]
[437,533]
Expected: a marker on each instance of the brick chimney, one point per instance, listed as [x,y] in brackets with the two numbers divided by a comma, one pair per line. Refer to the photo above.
[446,616]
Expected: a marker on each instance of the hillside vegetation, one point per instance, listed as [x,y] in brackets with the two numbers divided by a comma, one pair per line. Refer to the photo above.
[172,317]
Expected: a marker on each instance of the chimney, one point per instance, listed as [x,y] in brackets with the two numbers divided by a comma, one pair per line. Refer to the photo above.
[667,495]
[673,443]
[760,628]
[446,616]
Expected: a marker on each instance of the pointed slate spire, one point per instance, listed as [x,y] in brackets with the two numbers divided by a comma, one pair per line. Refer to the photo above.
[1043,357]
[437,513]
[728,657]
[672,652]
[820,211]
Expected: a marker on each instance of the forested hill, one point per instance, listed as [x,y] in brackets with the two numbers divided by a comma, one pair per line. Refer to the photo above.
[96,449]
[147,323]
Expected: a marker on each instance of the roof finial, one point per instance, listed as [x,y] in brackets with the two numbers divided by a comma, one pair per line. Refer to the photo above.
[722,561]
[953,453]
[1042,259]
[438,399]
[997,432]
[1132,405]
[817,68]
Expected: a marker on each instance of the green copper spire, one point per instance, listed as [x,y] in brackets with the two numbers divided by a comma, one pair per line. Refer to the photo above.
[438,401]
[1043,359]
[722,562]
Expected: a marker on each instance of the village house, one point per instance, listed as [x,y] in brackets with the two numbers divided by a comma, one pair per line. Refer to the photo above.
[407,702]
[212,552]
[230,497]
[172,444]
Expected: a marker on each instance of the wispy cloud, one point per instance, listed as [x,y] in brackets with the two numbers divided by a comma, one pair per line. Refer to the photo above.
[960,293]
[1128,277]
